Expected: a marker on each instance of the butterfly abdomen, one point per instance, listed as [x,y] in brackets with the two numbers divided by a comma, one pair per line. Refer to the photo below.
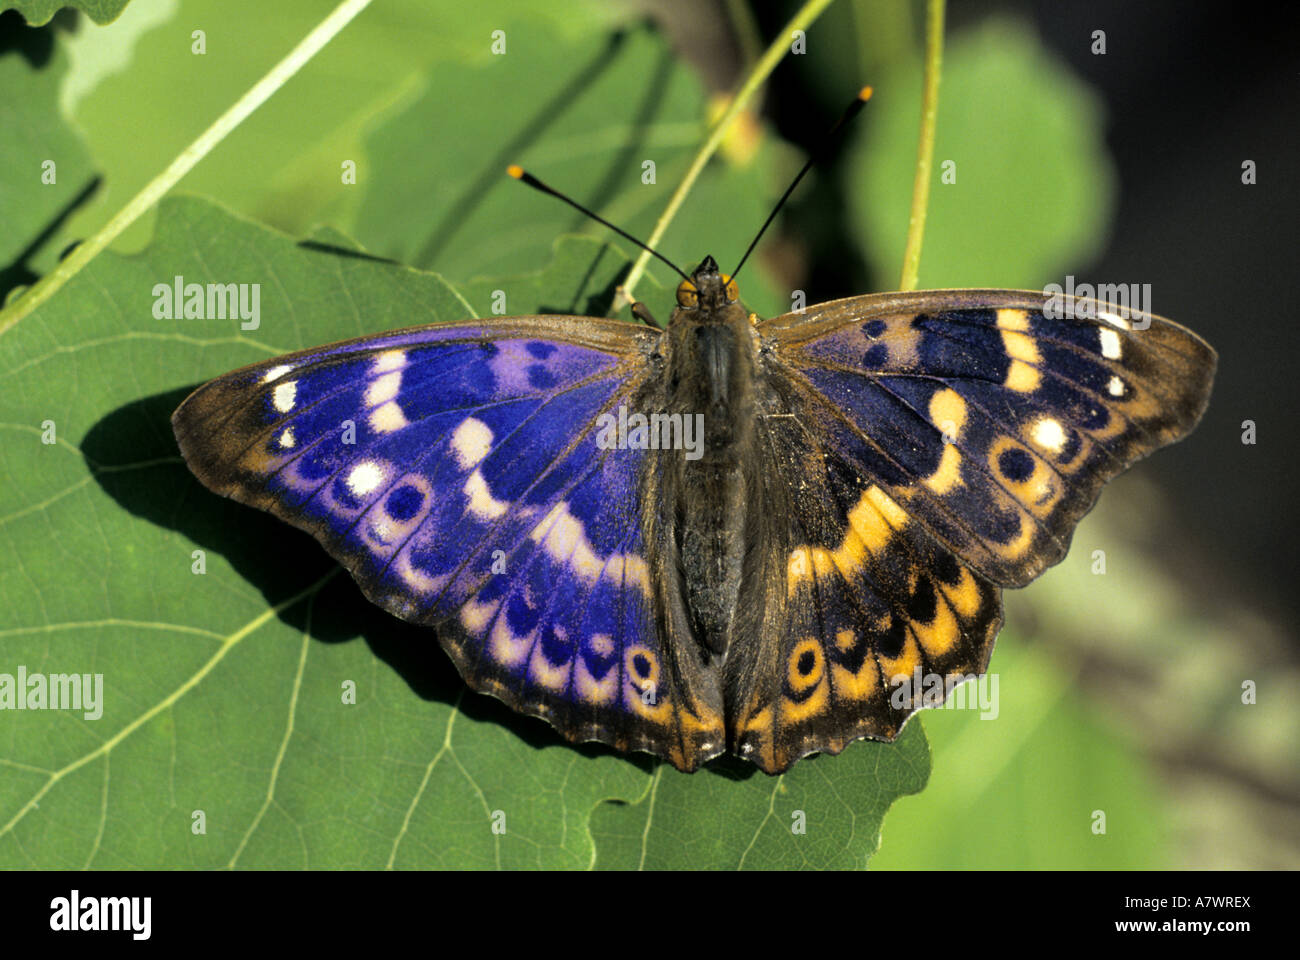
[708,496]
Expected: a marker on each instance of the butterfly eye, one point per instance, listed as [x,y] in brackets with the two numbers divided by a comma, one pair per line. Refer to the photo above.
[733,291]
[687,295]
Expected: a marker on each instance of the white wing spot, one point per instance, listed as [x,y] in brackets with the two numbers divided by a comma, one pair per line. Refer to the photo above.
[1115,387]
[364,478]
[1109,344]
[286,438]
[388,418]
[1049,434]
[565,538]
[286,394]
[383,389]
[1114,319]
[387,414]
[276,372]
[471,442]
[481,502]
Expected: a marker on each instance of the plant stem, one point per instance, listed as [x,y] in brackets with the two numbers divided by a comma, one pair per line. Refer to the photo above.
[154,190]
[925,145]
[809,12]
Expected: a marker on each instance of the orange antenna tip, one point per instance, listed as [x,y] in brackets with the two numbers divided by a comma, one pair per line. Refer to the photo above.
[865,94]
[515,171]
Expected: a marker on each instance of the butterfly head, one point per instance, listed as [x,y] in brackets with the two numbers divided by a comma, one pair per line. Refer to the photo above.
[707,290]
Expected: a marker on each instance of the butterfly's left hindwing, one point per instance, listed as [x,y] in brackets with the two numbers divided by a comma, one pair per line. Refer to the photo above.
[457,473]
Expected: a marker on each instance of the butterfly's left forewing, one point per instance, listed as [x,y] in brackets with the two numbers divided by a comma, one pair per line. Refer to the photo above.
[457,472]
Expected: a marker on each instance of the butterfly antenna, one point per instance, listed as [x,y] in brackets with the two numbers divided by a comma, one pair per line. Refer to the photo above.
[522,175]
[850,112]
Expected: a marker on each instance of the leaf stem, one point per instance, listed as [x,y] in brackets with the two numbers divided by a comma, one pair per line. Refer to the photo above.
[934,14]
[185,161]
[809,12]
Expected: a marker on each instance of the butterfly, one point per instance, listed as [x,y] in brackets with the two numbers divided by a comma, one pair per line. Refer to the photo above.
[727,535]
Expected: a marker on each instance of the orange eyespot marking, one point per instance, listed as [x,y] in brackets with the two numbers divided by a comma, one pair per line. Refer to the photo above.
[733,291]
[687,295]
[515,171]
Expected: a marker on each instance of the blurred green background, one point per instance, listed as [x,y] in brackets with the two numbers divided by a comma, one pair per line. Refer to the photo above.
[1119,692]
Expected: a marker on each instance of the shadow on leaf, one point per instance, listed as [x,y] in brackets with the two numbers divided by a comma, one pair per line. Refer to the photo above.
[586,300]
[583,77]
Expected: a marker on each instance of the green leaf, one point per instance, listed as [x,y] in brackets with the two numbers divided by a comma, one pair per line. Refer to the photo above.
[44,167]
[1021,793]
[1034,190]
[577,280]
[224,692]
[824,813]
[282,166]
[39,12]
[437,195]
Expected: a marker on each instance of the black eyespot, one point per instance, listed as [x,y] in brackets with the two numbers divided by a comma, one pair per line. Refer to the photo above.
[403,502]
[875,357]
[807,660]
[947,569]
[641,664]
[891,641]
[1016,464]
[922,604]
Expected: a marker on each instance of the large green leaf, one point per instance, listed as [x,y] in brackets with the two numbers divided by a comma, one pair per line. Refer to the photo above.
[39,12]
[586,117]
[283,164]
[823,813]
[412,94]
[1033,191]
[44,167]
[224,690]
